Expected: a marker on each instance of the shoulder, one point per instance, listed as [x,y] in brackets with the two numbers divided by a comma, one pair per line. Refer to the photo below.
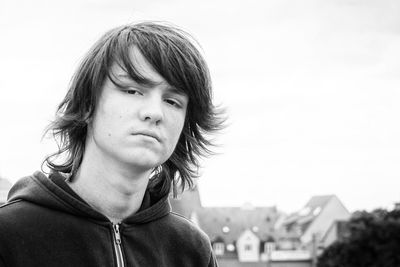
[186,226]
[11,209]
[182,230]
[18,207]
[17,218]
[187,237]
[16,213]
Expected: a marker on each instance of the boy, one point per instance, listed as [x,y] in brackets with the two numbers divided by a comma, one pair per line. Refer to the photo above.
[131,128]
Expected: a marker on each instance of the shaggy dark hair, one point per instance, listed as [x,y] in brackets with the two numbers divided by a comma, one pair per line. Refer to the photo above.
[173,54]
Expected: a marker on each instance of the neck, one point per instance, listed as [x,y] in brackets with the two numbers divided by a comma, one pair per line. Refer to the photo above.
[113,191]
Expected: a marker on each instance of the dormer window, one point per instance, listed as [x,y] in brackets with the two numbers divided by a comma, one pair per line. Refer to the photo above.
[219,248]
[317,211]
[225,229]
[305,211]
[230,247]
[269,247]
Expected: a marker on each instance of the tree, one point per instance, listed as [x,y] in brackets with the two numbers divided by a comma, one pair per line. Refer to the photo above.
[373,241]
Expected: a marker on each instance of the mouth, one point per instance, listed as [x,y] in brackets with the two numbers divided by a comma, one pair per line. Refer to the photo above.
[149,134]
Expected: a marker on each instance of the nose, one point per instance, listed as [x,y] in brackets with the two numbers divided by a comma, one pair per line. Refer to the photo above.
[151,111]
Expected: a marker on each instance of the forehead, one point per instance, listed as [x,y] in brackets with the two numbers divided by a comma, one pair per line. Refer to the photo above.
[135,66]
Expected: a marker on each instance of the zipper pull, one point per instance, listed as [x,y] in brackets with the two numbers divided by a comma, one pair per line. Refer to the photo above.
[117,234]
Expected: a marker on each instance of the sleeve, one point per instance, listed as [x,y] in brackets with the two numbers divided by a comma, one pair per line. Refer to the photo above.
[213,260]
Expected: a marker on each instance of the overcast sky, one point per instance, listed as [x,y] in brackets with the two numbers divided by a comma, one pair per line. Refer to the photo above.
[311,88]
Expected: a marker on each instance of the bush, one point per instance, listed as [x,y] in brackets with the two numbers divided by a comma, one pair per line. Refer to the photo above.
[374,241]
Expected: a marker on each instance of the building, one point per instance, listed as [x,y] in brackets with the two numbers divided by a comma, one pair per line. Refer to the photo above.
[5,186]
[263,236]
[313,221]
[338,231]
[237,234]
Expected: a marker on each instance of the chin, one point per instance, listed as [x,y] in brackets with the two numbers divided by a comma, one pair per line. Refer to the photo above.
[145,162]
[144,165]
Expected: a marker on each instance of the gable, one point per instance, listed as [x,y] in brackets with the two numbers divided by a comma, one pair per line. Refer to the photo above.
[248,237]
[332,211]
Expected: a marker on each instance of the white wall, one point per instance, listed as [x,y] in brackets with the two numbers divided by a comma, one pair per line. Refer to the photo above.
[248,247]
[334,210]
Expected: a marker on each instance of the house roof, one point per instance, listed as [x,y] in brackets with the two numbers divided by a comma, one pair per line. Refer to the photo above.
[229,223]
[303,218]
[309,212]
[319,201]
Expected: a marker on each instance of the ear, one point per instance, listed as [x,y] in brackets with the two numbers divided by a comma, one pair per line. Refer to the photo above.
[87,118]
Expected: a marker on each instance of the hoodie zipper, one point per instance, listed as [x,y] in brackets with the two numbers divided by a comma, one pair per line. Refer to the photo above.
[117,245]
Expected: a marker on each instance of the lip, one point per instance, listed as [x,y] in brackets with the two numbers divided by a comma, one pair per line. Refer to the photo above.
[148,133]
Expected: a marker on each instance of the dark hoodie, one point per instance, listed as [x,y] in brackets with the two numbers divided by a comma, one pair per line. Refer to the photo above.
[44,223]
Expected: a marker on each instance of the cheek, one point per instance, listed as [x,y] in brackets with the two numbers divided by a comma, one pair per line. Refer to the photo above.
[105,125]
[179,123]
[175,128]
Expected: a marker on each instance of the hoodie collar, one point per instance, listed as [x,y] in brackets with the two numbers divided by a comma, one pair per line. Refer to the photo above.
[50,193]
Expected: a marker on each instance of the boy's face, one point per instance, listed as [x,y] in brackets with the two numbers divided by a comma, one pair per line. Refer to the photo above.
[138,126]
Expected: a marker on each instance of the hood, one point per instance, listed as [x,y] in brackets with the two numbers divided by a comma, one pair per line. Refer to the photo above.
[41,190]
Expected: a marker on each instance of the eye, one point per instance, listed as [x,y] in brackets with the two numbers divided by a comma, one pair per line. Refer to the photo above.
[132,91]
[173,102]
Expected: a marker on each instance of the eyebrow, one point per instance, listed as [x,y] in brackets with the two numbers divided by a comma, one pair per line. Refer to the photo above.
[174,90]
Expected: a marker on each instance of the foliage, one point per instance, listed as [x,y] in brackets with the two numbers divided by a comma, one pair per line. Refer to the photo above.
[373,240]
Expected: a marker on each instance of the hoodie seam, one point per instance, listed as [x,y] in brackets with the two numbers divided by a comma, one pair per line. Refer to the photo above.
[63,202]
[128,226]
[66,204]
[181,216]
[10,203]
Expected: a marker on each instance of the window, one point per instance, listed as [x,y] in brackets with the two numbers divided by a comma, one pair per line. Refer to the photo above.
[317,211]
[230,247]
[248,247]
[219,248]
[269,246]
[297,229]
[305,211]
[225,229]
